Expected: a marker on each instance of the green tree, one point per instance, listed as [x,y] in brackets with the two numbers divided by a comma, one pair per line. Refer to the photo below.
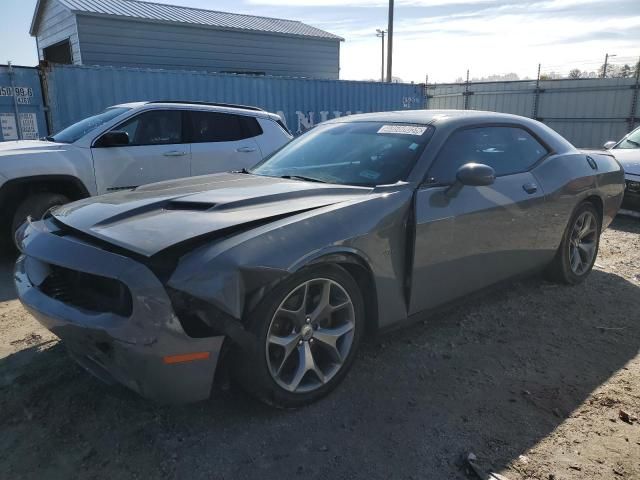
[626,71]
[575,73]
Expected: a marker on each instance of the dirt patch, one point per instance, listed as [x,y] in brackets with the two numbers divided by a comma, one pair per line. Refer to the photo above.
[531,377]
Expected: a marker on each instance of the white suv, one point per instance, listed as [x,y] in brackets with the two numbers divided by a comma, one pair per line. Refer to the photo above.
[129,145]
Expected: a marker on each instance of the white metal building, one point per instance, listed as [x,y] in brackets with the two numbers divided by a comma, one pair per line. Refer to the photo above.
[134,33]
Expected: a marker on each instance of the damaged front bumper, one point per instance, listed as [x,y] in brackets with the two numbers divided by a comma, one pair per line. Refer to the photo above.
[114,315]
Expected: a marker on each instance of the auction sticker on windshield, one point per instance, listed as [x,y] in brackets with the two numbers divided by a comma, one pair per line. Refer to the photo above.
[403,129]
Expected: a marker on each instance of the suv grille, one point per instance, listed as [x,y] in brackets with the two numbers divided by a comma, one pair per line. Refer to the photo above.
[633,187]
[86,291]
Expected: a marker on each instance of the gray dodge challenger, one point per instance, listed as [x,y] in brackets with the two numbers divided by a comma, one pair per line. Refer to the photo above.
[274,275]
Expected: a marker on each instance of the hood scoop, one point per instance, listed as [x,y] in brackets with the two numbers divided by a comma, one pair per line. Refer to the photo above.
[189,206]
[149,221]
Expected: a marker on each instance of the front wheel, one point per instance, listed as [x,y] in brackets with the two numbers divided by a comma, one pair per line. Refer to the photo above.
[579,248]
[307,333]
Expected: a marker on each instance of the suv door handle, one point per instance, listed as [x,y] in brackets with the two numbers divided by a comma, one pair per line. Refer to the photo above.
[530,188]
[174,153]
[245,150]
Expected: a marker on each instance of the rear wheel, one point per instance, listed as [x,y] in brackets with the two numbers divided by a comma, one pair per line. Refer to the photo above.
[35,206]
[579,248]
[307,333]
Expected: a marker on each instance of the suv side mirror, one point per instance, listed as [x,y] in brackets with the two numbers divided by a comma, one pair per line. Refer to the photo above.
[609,145]
[115,138]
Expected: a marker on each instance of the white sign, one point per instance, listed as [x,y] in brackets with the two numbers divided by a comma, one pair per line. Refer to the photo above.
[9,128]
[403,129]
[29,126]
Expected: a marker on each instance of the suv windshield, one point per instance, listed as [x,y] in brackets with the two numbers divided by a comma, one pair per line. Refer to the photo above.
[630,141]
[81,128]
[354,153]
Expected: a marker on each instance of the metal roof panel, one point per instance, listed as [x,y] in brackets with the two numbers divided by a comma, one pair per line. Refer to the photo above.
[137,9]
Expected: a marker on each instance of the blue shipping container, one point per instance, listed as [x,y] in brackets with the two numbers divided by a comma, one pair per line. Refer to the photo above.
[75,92]
[21,105]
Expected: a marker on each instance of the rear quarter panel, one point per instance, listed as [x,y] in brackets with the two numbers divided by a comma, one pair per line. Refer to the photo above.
[567,180]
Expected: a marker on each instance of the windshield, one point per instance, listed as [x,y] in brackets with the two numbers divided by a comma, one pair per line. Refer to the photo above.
[630,141]
[81,128]
[353,153]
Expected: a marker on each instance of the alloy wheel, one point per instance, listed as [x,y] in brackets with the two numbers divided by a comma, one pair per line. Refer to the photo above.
[310,335]
[583,243]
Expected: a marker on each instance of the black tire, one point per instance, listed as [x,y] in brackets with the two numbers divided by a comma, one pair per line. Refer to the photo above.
[561,270]
[251,367]
[35,206]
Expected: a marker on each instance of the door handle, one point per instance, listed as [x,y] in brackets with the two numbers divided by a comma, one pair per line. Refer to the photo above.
[174,153]
[245,150]
[530,188]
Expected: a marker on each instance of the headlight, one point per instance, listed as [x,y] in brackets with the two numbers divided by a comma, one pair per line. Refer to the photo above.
[633,186]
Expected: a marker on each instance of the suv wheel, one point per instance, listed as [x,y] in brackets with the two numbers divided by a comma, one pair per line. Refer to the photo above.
[35,206]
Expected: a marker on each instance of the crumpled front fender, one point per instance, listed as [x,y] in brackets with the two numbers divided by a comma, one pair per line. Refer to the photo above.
[235,273]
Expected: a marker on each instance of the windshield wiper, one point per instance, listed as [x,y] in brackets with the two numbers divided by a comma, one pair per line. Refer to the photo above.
[244,170]
[637,144]
[49,138]
[306,179]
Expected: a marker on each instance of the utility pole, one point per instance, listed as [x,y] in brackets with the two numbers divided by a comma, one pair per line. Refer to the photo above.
[381,33]
[390,43]
[536,98]
[466,92]
[606,63]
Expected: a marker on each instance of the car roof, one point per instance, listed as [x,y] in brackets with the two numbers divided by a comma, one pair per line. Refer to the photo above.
[448,121]
[429,117]
[189,105]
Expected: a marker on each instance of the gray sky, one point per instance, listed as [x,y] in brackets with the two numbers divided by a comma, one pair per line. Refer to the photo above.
[441,38]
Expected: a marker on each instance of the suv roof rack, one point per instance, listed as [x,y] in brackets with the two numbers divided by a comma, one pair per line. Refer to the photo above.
[211,104]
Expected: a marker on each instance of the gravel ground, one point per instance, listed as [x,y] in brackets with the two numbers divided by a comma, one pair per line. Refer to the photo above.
[532,377]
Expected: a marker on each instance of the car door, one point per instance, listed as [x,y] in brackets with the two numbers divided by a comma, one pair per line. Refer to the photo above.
[471,237]
[155,152]
[221,141]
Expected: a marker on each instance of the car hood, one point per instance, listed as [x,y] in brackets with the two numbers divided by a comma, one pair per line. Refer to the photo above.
[19,147]
[629,159]
[155,217]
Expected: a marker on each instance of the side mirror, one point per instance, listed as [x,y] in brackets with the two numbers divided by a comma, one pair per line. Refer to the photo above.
[114,138]
[609,145]
[476,175]
[472,175]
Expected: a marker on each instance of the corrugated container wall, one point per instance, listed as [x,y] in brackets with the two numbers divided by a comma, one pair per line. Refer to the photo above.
[21,104]
[75,92]
[588,112]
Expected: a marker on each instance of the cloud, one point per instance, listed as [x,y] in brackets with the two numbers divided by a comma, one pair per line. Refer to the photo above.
[496,38]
